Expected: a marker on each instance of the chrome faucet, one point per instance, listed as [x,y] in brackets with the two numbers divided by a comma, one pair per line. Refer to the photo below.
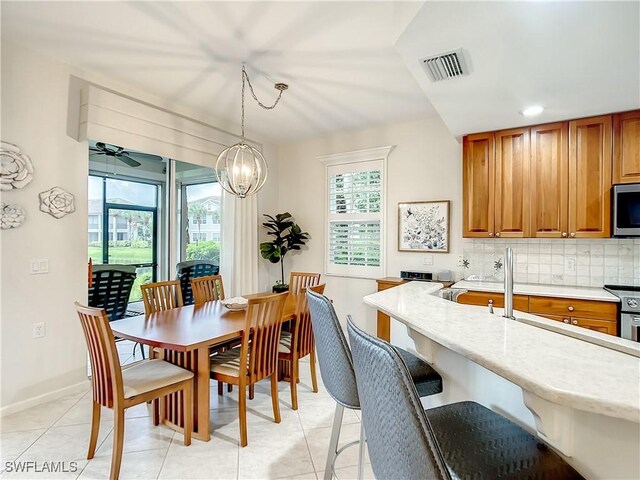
[508,283]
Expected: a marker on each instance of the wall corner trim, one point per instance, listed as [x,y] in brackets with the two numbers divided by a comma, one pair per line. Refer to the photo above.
[357,155]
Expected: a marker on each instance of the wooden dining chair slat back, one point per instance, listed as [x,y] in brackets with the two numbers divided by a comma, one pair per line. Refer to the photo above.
[117,390]
[299,281]
[103,355]
[299,343]
[207,289]
[264,319]
[161,296]
[257,356]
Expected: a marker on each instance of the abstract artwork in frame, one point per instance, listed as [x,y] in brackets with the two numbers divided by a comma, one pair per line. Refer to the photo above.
[423,226]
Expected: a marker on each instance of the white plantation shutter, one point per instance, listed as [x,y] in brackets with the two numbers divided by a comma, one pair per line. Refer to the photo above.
[355,213]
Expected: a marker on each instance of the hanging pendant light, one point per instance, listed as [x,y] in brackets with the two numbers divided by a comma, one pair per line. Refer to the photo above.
[241,169]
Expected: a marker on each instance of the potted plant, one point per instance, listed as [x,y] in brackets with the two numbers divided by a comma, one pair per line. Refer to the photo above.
[287,236]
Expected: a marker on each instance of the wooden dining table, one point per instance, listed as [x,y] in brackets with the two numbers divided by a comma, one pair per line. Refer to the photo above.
[184,336]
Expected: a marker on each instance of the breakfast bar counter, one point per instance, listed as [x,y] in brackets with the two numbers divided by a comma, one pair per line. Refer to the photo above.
[572,392]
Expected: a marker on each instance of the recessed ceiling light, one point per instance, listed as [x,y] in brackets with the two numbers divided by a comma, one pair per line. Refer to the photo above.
[532,111]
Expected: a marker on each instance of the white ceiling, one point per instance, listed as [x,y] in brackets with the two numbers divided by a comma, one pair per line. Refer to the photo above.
[574,58]
[337,57]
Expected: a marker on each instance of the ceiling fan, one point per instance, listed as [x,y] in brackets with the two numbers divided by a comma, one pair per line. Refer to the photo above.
[126,157]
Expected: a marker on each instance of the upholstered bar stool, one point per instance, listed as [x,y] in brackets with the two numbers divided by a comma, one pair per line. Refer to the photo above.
[460,440]
[336,369]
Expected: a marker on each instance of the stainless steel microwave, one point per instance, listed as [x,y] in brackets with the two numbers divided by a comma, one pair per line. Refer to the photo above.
[626,210]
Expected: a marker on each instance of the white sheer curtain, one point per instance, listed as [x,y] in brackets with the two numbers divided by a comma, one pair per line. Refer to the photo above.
[239,247]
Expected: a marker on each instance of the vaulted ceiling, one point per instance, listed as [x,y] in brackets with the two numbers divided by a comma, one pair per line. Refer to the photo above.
[351,64]
[337,57]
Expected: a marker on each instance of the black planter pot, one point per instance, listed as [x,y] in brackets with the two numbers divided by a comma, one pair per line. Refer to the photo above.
[280,288]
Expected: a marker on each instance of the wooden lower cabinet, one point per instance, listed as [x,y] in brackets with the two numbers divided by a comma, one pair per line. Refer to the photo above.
[520,302]
[603,326]
[594,315]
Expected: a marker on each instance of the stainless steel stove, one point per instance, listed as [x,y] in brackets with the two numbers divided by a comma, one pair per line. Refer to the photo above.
[629,310]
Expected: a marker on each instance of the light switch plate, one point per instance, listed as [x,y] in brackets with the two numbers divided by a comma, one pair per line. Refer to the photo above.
[39,267]
[427,260]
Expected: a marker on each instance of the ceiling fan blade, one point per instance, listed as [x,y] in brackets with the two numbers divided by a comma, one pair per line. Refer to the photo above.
[128,160]
[143,156]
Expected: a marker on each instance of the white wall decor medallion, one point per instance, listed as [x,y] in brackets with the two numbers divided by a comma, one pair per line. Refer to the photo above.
[57,202]
[423,226]
[16,169]
[12,216]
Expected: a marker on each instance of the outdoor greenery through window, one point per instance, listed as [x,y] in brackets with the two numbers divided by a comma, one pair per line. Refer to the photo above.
[355,219]
[202,230]
[122,226]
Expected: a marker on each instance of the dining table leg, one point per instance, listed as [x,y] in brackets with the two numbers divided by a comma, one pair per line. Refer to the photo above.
[196,361]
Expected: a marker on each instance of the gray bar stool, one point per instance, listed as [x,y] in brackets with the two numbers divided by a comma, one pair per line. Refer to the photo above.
[460,440]
[338,376]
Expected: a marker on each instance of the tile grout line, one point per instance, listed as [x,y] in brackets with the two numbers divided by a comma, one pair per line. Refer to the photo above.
[304,434]
[164,459]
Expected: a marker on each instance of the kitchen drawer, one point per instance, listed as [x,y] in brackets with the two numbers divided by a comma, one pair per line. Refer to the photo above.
[574,308]
[609,327]
[520,302]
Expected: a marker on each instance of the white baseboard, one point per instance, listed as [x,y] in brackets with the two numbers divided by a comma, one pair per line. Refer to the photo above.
[44,398]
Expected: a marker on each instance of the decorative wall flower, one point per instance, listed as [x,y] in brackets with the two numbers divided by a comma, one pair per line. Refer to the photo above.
[12,216]
[16,169]
[57,202]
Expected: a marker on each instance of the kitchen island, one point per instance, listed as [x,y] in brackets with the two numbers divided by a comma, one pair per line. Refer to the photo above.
[581,398]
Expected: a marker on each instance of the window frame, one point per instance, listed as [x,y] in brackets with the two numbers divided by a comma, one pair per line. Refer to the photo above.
[373,156]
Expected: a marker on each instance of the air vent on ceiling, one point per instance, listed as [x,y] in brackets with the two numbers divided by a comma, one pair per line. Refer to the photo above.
[445,66]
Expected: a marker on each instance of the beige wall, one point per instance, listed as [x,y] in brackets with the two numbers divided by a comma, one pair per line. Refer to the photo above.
[425,165]
[40,100]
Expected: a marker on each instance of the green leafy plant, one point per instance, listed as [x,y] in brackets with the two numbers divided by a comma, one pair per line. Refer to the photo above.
[287,236]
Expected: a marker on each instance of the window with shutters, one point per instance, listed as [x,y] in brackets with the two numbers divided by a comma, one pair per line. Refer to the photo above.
[355,213]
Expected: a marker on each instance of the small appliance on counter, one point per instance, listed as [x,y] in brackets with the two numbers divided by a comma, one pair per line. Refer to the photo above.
[421,276]
[629,310]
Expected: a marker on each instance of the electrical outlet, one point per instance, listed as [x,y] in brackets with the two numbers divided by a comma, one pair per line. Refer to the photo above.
[39,330]
[427,260]
[461,260]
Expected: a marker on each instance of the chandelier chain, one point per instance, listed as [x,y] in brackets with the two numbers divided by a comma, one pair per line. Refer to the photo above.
[245,76]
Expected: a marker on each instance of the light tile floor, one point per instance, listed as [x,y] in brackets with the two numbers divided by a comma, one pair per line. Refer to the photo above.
[294,449]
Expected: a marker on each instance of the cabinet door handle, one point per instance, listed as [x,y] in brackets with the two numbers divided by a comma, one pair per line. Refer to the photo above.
[497,234]
[573,234]
[575,322]
[570,309]
[491,234]
[564,234]
[565,320]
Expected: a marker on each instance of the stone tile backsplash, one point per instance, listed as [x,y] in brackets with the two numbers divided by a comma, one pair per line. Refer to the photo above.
[581,262]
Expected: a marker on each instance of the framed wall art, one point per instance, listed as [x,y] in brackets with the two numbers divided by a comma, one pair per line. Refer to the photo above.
[423,226]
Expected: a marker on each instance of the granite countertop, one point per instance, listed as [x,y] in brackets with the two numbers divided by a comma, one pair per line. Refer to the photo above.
[562,291]
[558,368]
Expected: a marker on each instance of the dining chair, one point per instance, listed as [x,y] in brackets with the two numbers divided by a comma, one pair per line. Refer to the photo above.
[336,369]
[207,289]
[299,281]
[459,440]
[299,343]
[120,388]
[161,296]
[190,269]
[110,288]
[257,356]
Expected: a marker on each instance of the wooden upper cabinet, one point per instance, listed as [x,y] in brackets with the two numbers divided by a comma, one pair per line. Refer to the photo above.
[512,183]
[626,147]
[478,185]
[548,192]
[590,159]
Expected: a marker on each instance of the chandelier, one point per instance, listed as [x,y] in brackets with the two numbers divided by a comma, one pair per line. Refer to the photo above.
[241,169]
